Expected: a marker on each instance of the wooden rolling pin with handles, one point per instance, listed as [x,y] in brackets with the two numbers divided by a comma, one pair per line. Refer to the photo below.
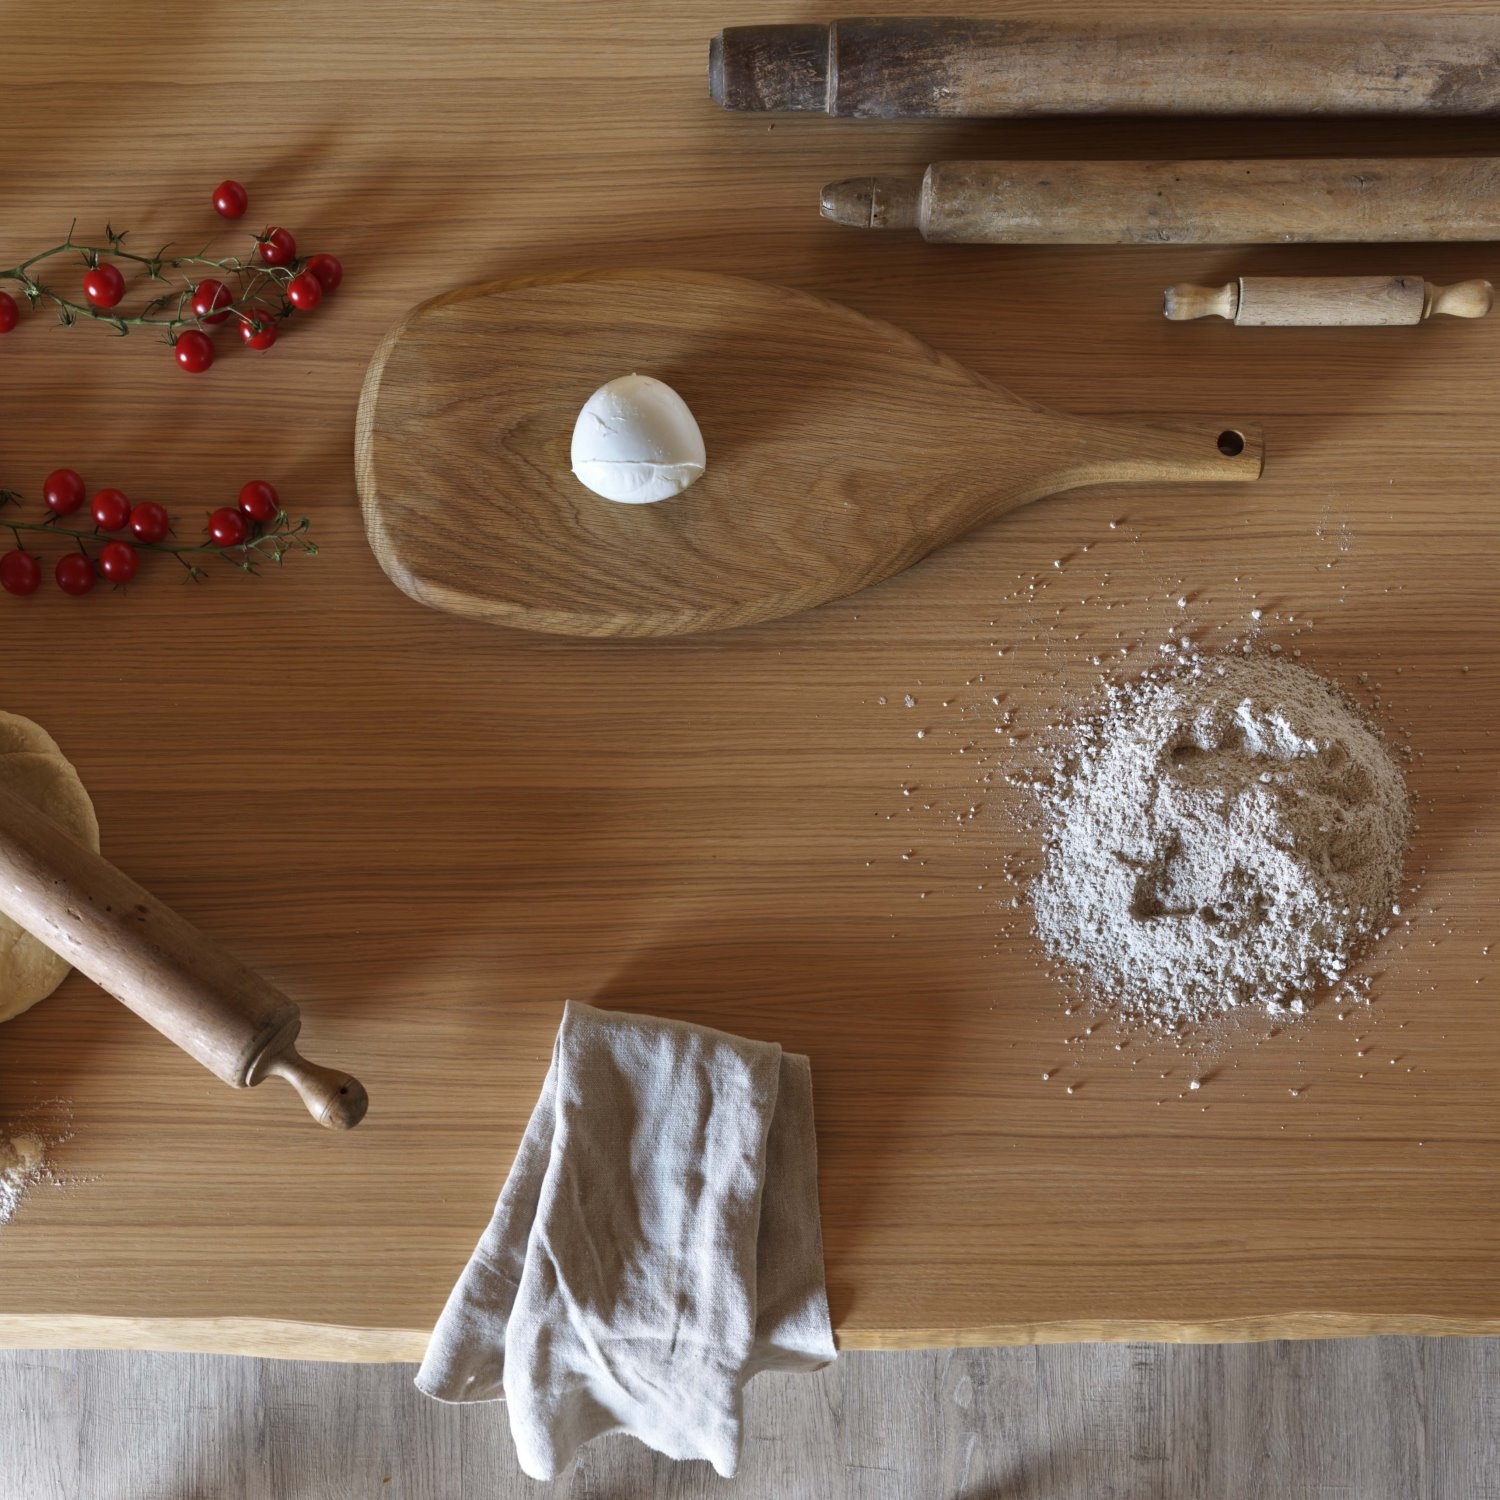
[1262,201]
[167,971]
[1328,301]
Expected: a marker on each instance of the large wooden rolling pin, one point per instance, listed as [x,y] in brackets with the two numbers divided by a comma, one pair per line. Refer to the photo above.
[897,68]
[1271,201]
[167,971]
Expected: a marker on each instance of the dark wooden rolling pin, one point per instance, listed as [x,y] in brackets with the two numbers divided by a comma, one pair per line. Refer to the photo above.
[1271,201]
[170,974]
[899,68]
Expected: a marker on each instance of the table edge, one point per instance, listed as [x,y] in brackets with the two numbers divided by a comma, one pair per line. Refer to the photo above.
[271,1338]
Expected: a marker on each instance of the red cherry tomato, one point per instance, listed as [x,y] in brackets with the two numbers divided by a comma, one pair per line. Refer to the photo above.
[228,527]
[277,247]
[195,351]
[20,573]
[74,573]
[260,501]
[208,297]
[230,199]
[329,270]
[111,510]
[63,491]
[104,286]
[10,312]
[260,332]
[118,561]
[149,522]
[304,292]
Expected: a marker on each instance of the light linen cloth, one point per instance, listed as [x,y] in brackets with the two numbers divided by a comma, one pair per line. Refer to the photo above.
[656,1244]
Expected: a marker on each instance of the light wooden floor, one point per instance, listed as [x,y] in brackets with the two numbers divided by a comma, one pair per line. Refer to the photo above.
[1361,1419]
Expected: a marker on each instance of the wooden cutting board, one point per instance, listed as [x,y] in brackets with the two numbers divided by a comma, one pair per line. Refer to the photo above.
[843,450]
[430,831]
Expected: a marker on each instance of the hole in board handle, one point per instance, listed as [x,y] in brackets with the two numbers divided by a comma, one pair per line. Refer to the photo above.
[1231,443]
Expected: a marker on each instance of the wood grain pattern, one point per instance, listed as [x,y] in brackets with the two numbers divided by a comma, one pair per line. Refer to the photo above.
[1234,201]
[929,66]
[841,450]
[1367,1419]
[429,832]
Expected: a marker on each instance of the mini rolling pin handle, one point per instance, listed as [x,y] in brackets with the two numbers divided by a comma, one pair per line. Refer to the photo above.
[1327,301]
[1185,302]
[1464,299]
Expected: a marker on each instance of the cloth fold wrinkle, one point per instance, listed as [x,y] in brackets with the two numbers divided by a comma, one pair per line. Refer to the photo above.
[656,1244]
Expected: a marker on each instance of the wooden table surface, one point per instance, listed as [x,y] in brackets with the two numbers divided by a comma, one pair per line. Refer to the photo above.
[431,832]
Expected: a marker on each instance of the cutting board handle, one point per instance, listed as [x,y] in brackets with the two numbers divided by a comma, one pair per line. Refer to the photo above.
[1178,452]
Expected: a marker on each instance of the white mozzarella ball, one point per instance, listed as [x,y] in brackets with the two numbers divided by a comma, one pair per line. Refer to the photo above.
[635,441]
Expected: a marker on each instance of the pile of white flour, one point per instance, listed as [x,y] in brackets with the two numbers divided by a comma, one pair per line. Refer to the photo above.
[23,1163]
[1229,832]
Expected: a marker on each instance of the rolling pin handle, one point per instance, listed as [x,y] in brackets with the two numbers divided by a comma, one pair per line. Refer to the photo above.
[1184,302]
[772,68]
[333,1099]
[873,202]
[1464,299]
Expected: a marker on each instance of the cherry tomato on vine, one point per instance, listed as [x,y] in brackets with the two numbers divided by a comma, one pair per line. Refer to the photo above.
[230,199]
[20,573]
[118,561]
[329,270]
[149,522]
[10,312]
[304,292]
[104,286]
[277,247]
[74,573]
[228,527]
[63,491]
[260,501]
[111,510]
[260,332]
[209,297]
[195,351]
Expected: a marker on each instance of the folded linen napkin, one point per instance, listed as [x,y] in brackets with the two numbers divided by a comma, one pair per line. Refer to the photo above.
[656,1244]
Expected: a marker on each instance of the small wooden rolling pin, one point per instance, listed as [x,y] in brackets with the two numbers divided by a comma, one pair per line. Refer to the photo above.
[1271,201]
[170,974]
[899,68]
[1328,301]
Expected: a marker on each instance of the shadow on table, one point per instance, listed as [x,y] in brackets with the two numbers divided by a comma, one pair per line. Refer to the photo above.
[878,1033]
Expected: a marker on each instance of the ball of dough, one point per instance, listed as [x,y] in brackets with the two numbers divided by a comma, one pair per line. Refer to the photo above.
[29,969]
[17,733]
[636,441]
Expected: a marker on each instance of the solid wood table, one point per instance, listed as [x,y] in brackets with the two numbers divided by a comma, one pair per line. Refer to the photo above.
[430,831]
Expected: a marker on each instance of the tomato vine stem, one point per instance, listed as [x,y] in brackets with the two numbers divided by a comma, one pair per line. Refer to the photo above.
[270,545]
[257,282]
